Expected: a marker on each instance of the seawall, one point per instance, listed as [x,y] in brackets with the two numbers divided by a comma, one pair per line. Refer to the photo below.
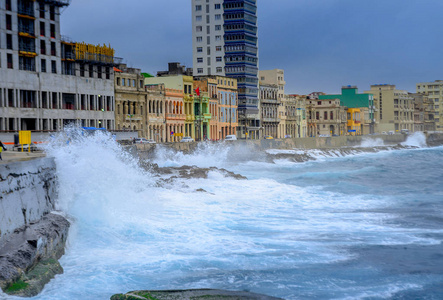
[32,239]
[300,143]
[28,191]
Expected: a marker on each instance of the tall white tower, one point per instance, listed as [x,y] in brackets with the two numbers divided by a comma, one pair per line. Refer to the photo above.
[207,37]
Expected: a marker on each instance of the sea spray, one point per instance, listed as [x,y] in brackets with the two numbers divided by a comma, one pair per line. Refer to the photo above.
[416,139]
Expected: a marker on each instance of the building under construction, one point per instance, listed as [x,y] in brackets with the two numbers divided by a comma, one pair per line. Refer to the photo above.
[48,81]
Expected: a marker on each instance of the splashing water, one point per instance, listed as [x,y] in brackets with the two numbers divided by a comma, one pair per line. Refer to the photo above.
[370,142]
[324,229]
[417,139]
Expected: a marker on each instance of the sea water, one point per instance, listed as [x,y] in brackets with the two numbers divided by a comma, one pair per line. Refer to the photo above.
[354,226]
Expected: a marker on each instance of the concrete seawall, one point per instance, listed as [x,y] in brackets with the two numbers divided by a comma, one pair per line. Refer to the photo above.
[301,143]
[27,192]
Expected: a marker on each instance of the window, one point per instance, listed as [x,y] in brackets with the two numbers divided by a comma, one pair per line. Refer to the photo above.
[42,47]
[217,6]
[42,10]
[218,38]
[218,48]
[198,28]
[53,49]
[219,70]
[218,58]
[91,71]
[133,82]
[123,82]
[118,80]
[52,12]
[9,41]
[8,22]
[53,31]
[198,18]
[218,17]
[200,70]
[43,66]
[199,49]
[217,27]
[9,58]
[199,39]
[199,59]
[8,4]
[54,66]
[42,28]
[198,8]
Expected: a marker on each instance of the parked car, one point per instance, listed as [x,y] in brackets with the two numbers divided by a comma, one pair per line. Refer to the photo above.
[143,141]
[405,131]
[384,133]
[268,137]
[231,137]
[324,135]
[391,132]
[186,139]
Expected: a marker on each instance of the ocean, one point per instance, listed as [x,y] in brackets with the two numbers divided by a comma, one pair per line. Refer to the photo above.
[356,223]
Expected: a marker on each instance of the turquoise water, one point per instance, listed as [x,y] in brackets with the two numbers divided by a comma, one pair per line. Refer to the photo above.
[363,226]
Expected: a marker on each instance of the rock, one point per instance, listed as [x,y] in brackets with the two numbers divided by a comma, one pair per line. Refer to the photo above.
[28,257]
[198,294]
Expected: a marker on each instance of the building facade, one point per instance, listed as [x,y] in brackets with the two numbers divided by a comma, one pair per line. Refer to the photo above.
[175,115]
[208,37]
[130,100]
[269,103]
[424,113]
[274,77]
[292,115]
[434,91]
[47,81]
[394,108]
[326,117]
[156,113]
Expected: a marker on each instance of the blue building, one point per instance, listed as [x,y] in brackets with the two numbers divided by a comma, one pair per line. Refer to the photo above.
[241,61]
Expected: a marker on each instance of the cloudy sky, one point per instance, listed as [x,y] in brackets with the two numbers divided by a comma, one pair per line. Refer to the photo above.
[321,44]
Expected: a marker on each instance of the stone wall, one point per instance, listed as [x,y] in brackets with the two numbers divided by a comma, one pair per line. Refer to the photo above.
[28,191]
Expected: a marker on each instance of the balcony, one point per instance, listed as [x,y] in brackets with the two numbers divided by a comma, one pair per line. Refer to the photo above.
[176,117]
[58,2]
[189,118]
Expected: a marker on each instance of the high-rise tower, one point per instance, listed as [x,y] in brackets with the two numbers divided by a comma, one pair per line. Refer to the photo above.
[225,42]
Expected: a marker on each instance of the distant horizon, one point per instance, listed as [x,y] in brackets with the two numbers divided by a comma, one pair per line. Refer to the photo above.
[321,46]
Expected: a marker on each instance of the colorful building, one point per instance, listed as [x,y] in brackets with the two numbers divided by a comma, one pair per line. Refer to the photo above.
[351,99]
[184,84]
[175,115]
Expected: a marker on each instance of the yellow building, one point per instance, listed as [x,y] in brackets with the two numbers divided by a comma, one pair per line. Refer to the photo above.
[354,121]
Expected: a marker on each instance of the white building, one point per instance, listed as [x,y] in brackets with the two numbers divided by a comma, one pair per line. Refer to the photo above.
[207,37]
[46,82]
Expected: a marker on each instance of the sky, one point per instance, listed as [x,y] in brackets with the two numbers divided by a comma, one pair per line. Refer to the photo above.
[321,44]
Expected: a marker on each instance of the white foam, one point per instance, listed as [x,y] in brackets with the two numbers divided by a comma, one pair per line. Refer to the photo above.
[368,142]
[416,139]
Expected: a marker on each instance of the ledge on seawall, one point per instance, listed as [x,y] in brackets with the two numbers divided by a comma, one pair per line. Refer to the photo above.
[29,256]
[206,294]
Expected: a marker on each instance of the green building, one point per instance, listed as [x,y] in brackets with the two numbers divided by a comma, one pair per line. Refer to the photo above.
[350,98]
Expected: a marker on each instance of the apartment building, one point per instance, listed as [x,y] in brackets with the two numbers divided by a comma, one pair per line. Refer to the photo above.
[434,91]
[292,117]
[325,117]
[394,108]
[269,103]
[274,77]
[208,37]
[424,113]
[48,81]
